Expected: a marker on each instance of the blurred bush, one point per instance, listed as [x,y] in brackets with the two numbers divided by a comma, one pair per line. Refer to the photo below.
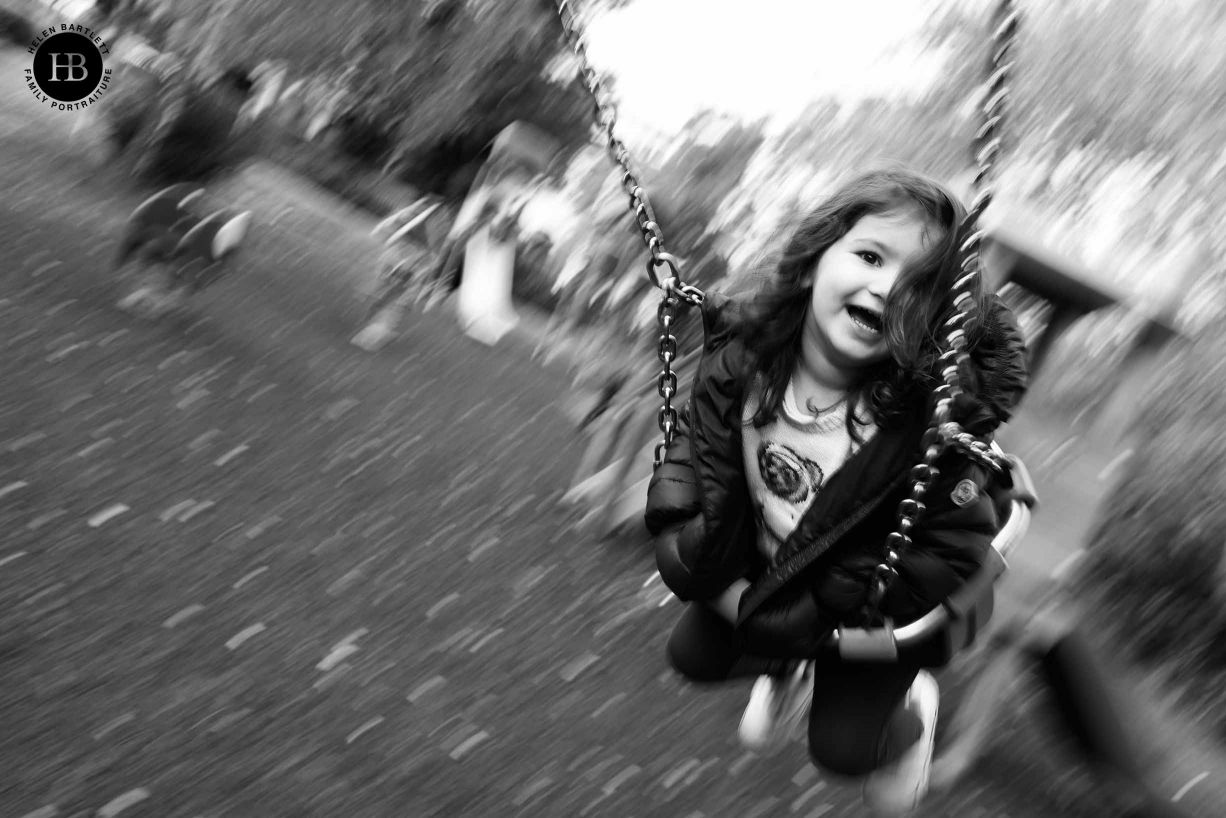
[200,141]
[16,28]
[426,85]
[1083,367]
[1154,577]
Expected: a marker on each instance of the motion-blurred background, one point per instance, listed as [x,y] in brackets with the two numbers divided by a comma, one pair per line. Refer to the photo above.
[332,116]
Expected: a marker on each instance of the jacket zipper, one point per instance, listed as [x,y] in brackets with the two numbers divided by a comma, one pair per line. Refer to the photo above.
[805,558]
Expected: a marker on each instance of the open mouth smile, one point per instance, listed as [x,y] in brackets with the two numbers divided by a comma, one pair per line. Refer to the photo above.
[867,319]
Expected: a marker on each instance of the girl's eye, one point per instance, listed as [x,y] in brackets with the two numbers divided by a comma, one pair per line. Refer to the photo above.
[870,257]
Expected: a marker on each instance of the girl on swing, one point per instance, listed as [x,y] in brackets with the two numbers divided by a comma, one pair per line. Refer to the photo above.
[804,422]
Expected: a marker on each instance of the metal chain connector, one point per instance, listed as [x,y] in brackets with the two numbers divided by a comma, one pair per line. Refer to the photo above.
[943,433]
[675,291]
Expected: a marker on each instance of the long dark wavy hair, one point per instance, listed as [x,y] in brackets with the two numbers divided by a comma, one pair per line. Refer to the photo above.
[771,319]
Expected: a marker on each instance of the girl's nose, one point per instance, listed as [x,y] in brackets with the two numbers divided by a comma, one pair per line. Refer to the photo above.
[883,282]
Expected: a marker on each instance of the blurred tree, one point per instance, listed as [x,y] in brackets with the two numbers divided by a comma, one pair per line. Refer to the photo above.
[704,168]
[430,82]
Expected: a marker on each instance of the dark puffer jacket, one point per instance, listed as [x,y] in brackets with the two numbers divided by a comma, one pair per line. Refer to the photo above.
[700,510]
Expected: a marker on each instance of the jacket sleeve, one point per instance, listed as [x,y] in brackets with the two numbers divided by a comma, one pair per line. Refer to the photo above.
[948,545]
[672,493]
[697,501]
[673,514]
[789,625]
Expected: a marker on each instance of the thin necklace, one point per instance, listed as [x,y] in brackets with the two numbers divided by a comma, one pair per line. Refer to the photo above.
[815,411]
[809,401]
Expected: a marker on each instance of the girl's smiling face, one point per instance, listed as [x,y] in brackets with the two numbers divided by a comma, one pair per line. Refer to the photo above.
[843,326]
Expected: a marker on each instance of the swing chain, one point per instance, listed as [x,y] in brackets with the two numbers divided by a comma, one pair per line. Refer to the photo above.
[675,290]
[667,381]
[943,432]
[606,118]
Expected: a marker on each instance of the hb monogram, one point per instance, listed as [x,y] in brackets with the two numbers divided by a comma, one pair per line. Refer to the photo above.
[74,62]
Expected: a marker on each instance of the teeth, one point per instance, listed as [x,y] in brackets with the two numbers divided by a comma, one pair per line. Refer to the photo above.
[854,314]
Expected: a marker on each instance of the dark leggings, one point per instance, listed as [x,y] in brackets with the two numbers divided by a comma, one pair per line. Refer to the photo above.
[856,723]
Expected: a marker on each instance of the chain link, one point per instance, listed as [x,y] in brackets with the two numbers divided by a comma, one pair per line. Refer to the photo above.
[675,292]
[943,433]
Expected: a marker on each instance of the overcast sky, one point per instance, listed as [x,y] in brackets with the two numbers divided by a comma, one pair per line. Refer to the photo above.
[756,58]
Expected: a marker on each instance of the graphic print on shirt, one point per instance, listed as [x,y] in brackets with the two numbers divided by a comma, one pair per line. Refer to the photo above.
[792,478]
[787,474]
[793,481]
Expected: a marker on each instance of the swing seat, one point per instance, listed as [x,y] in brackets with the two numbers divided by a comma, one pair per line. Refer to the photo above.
[935,638]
